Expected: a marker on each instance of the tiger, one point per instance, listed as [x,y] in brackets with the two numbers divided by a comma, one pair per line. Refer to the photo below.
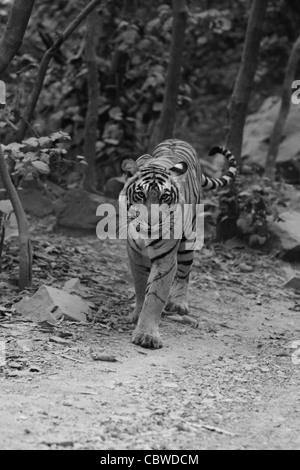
[170,178]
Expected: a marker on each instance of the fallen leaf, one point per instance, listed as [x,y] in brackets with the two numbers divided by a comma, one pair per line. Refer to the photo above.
[25,344]
[58,340]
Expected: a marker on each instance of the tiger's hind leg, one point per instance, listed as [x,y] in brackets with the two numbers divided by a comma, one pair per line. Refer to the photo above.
[140,268]
[178,300]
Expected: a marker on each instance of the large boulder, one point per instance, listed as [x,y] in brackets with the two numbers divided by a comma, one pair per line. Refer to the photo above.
[258,130]
[287,233]
[35,198]
[77,210]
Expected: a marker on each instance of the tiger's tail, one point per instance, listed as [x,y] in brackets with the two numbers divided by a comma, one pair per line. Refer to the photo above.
[212,183]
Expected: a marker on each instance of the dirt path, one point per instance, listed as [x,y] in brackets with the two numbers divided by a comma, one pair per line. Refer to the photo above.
[229,383]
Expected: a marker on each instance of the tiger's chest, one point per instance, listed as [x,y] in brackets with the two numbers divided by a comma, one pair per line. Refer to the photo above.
[141,245]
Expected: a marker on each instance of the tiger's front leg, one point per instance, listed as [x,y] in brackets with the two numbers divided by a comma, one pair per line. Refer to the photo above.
[178,298]
[140,268]
[163,268]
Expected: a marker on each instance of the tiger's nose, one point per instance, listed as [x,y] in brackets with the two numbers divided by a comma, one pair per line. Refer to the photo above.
[153,197]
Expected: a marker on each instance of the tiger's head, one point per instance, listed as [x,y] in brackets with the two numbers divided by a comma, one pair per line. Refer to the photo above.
[152,193]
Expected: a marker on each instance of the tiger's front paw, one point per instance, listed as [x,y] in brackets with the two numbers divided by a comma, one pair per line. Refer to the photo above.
[147,338]
[179,307]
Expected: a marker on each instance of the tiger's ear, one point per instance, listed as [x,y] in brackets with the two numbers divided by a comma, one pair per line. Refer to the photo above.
[129,168]
[178,169]
[144,158]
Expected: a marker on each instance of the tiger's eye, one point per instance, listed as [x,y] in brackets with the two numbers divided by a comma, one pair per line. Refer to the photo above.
[138,196]
[165,197]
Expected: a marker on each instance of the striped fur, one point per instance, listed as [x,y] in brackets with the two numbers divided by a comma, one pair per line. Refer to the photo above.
[169,178]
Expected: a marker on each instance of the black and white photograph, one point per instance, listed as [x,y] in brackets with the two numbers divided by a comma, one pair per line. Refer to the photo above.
[149,228]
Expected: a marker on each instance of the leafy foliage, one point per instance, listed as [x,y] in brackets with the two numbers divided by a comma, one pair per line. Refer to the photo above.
[37,157]
[132,61]
[260,202]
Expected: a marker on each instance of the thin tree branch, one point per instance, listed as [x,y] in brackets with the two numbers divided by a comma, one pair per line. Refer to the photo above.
[44,66]
[25,261]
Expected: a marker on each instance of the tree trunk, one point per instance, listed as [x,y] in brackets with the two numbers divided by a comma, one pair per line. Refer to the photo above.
[228,203]
[2,234]
[129,9]
[44,67]
[91,120]
[168,114]
[120,58]
[243,85]
[25,262]
[284,110]
[15,28]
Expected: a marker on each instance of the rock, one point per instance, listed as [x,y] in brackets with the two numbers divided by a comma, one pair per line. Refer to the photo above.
[77,210]
[73,285]
[257,133]
[287,232]
[114,186]
[245,268]
[35,199]
[51,304]
[293,283]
